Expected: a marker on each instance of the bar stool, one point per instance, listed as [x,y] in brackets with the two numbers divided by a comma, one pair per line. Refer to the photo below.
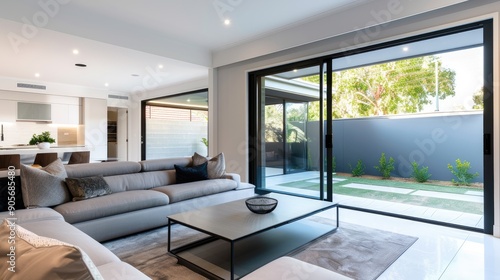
[44,159]
[10,160]
[79,157]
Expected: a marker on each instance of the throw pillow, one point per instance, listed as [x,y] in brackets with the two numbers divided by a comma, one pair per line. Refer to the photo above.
[44,187]
[36,257]
[87,187]
[216,165]
[191,174]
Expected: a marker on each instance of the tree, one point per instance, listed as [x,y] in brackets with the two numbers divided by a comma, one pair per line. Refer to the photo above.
[478,99]
[402,86]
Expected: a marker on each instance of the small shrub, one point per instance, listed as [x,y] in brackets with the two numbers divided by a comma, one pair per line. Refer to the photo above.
[359,170]
[385,167]
[420,175]
[461,171]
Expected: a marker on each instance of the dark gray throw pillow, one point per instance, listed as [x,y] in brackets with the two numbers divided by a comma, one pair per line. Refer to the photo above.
[87,187]
[191,173]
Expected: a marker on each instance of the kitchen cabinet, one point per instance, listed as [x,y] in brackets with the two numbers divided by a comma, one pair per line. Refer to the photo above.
[95,117]
[65,114]
[8,111]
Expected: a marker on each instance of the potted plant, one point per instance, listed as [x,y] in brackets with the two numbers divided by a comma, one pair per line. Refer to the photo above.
[43,140]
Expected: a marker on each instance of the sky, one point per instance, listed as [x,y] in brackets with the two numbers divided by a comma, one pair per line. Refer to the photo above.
[468,66]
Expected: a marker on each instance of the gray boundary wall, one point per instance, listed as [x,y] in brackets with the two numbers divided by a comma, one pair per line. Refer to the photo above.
[432,139]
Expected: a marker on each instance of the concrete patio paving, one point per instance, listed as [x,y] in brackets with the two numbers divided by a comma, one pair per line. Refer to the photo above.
[442,215]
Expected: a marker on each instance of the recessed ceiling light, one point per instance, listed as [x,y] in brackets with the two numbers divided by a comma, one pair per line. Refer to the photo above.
[75,51]
[160,66]
[106,85]
[405,49]
[134,75]
[81,65]
[37,75]
[227,21]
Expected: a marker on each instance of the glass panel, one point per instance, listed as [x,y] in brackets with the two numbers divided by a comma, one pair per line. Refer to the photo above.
[408,131]
[177,126]
[274,137]
[291,148]
[296,136]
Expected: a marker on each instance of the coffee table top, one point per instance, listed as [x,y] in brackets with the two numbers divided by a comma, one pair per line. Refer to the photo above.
[233,220]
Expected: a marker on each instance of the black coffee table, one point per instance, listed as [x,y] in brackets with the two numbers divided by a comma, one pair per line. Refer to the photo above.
[241,241]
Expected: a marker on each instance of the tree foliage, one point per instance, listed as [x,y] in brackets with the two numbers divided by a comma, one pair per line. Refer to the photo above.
[478,99]
[396,87]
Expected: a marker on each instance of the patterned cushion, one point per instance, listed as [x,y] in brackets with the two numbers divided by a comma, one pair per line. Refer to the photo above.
[38,257]
[44,187]
[216,165]
[87,187]
[190,174]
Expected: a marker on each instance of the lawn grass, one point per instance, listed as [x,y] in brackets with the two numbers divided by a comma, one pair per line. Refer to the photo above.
[440,203]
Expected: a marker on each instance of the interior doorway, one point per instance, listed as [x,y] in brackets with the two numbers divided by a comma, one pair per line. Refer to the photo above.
[117,134]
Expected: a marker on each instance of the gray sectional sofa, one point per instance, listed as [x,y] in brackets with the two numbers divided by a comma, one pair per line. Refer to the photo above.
[61,241]
[142,195]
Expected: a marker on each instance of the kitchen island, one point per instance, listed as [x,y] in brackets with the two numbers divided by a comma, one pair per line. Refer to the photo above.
[28,153]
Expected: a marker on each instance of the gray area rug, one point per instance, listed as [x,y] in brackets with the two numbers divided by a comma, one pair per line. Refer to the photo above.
[355,251]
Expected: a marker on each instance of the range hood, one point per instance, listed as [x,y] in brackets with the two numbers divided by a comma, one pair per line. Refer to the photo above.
[34,112]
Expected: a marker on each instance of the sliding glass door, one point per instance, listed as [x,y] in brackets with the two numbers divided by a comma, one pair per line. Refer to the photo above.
[403,128]
[290,142]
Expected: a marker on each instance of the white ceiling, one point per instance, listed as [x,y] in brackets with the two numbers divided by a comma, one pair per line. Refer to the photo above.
[119,38]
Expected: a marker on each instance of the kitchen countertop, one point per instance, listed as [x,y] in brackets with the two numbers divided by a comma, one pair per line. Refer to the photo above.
[24,150]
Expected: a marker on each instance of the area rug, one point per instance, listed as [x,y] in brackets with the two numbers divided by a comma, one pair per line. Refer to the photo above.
[355,251]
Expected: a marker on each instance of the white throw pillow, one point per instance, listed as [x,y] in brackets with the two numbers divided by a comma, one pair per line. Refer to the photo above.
[216,166]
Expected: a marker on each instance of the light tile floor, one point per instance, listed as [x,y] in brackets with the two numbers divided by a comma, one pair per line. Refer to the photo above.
[439,253]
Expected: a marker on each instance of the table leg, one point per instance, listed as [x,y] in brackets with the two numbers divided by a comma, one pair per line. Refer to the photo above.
[232,260]
[337,216]
[169,234]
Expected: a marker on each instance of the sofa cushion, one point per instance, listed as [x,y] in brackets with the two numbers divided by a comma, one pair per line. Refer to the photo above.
[38,257]
[102,168]
[191,173]
[87,187]
[121,271]
[44,186]
[30,215]
[113,204]
[140,181]
[290,268]
[180,192]
[164,163]
[216,165]
[65,232]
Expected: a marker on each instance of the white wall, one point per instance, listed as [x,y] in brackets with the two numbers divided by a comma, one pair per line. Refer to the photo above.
[232,84]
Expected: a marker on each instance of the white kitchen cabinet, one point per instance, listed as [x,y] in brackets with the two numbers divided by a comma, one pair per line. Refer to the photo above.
[95,117]
[8,111]
[74,114]
[59,113]
[65,114]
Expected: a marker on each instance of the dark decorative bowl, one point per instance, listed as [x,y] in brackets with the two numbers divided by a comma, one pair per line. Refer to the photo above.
[261,204]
